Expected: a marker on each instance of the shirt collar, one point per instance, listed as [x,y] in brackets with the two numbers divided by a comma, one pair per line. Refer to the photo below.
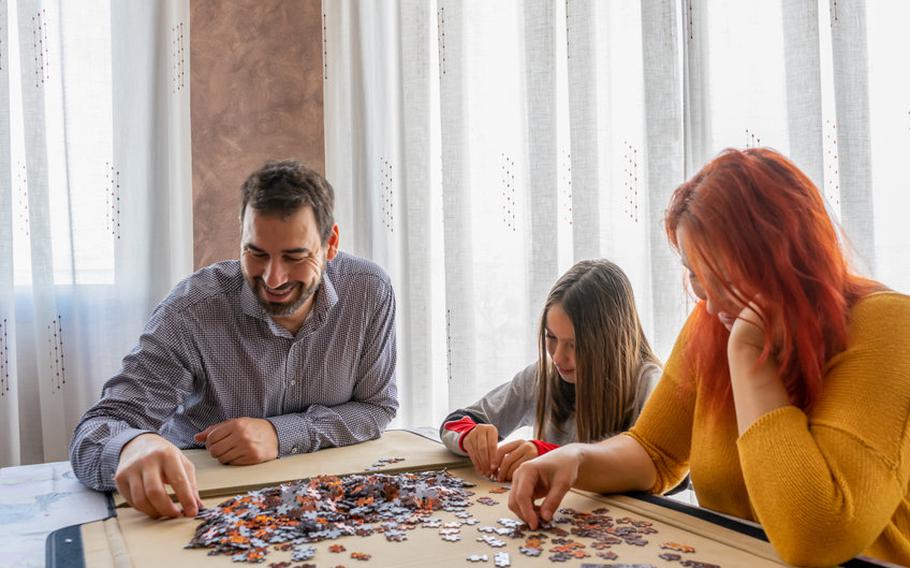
[326,298]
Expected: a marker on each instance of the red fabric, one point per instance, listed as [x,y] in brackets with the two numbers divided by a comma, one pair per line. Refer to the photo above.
[544,447]
[463,425]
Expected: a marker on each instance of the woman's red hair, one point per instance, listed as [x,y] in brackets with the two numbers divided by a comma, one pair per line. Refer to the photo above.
[757,226]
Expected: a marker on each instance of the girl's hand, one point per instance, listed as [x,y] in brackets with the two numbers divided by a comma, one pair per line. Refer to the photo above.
[480,443]
[511,455]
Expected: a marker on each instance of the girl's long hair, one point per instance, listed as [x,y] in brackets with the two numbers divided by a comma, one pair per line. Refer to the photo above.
[757,228]
[610,349]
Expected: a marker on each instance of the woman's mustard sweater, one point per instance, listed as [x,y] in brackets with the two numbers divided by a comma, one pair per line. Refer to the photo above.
[826,485]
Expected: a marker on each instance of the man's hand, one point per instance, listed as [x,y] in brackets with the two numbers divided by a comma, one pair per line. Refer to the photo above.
[147,463]
[511,455]
[480,443]
[241,441]
[550,477]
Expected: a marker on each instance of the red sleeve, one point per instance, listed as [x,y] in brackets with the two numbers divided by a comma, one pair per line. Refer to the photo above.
[463,425]
[543,447]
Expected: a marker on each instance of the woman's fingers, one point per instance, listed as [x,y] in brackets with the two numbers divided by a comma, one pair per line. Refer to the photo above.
[556,492]
[521,497]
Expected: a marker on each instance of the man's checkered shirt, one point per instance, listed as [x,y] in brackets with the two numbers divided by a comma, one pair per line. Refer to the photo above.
[210,353]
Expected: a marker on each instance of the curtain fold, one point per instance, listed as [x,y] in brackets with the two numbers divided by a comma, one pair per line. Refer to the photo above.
[416,348]
[802,61]
[9,391]
[584,107]
[540,83]
[664,165]
[852,120]
[96,224]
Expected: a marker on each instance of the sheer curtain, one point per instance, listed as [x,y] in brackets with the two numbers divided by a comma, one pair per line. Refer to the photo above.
[95,218]
[480,148]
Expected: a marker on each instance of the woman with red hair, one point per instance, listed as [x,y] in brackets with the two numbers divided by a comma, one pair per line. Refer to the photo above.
[788,390]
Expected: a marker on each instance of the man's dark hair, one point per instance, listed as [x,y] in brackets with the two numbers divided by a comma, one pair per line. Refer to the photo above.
[283,187]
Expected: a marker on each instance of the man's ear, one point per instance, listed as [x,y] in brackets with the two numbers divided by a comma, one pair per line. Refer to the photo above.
[331,245]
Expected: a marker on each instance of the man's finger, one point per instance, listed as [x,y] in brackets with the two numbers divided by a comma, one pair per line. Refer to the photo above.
[232,455]
[200,437]
[221,447]
[217,433]
[156,493]
[190,470]
[177,478]
[139,501]
[123,487]
[245,459]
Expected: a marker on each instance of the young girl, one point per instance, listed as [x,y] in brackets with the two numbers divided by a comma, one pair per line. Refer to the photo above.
[593,374]
[788,390]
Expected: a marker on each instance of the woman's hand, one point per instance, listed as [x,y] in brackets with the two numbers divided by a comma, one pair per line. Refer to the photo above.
[748,331]
[757,388]
[550,477]
[480,444]
[510,455]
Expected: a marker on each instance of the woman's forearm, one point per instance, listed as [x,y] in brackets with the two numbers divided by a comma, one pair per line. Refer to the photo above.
[615,465]
[757,390]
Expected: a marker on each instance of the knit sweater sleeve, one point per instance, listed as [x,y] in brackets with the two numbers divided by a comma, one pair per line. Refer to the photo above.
[508,407]
[664,427]
[824,486]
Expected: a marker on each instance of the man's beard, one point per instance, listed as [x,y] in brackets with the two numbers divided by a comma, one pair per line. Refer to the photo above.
[288,308]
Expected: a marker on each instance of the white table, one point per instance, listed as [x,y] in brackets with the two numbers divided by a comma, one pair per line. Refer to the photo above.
[37,499]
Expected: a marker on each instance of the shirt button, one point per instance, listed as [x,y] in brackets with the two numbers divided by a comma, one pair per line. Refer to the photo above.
[294,449]
[292,383]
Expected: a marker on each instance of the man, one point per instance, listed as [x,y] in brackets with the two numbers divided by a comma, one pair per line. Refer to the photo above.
[290,349]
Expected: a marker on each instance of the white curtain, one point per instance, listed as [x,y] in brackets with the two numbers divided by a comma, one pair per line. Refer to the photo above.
[480,148]
[95,205]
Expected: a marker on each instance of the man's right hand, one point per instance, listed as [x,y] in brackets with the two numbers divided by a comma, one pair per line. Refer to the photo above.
[147,463]
[481,444]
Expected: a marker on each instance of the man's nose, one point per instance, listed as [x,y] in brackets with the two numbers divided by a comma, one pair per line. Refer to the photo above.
[274,275]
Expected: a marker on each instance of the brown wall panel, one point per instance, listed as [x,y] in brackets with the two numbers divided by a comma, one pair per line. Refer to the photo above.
[256,95]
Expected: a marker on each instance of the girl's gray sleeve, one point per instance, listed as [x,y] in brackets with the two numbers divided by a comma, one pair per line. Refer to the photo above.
[648,377]
[509,406]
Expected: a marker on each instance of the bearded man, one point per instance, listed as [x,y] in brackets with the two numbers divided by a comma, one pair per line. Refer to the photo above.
[288,350]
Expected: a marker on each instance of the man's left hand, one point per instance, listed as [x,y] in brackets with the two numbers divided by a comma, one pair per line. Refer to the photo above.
[241,441]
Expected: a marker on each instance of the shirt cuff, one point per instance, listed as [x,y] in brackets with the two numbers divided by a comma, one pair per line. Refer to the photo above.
[463,426]
[294,434]
[543,447]
[110,454]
